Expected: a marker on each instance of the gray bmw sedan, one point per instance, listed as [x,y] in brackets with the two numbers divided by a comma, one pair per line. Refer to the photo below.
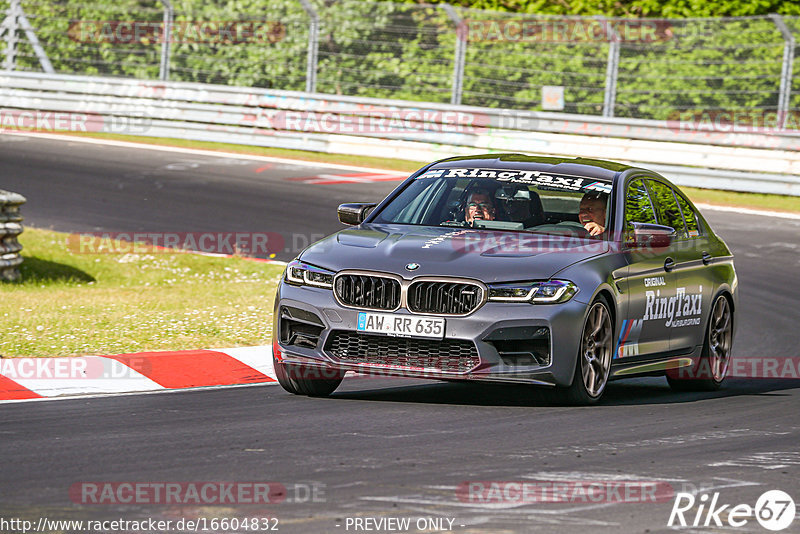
[554,272]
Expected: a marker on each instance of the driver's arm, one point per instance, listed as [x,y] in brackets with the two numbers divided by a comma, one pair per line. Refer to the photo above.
[594,229]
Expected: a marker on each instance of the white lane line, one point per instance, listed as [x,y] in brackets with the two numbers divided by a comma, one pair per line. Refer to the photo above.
[201,152]
[763,460]
[669,441]
[133,393]
[326,179]
[581,476]
[524,508]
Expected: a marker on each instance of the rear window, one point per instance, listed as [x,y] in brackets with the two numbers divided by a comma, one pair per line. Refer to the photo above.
[693,227]
[638,208]
[669,214]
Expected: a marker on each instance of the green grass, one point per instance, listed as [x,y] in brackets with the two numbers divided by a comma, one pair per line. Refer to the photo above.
[70,304]
[707,196]
[744,200]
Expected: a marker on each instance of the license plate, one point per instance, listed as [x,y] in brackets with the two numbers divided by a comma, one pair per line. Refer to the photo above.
[401,325]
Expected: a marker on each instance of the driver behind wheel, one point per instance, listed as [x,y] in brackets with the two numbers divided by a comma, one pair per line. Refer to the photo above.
[479,206]
[592,212]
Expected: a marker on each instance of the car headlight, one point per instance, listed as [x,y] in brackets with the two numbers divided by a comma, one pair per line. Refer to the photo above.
[299,273]
[546,292]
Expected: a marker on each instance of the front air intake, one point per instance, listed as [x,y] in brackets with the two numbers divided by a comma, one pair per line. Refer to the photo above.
[367,291]
[299,328]
[451,355]
[444,298]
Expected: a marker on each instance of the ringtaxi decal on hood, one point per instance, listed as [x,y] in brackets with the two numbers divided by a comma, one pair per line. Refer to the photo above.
[444,237]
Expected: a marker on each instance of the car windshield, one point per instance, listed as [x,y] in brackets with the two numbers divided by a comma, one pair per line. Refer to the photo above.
[503,199]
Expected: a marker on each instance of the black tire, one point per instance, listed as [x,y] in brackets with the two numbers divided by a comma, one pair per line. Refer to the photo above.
[304,380]
[710,370]
[593,365]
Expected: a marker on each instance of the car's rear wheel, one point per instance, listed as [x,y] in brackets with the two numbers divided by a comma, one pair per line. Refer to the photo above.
[305,380]
[594,359]
[712,367]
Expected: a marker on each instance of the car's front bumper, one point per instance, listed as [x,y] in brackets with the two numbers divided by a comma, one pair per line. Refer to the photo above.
[495,329]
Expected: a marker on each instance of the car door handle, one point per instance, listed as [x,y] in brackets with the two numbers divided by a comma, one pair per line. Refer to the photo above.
[706,258]
[669,264]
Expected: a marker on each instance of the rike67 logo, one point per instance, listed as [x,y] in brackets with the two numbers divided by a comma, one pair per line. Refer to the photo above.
[774,510]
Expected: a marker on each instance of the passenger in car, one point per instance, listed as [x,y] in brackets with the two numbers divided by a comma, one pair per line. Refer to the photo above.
[592,212]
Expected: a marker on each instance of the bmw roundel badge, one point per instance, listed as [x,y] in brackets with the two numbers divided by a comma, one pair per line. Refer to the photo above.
[412,266]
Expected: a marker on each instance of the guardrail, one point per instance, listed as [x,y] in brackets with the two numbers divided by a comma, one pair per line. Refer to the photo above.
[716,159]
[609,66]
[10,228]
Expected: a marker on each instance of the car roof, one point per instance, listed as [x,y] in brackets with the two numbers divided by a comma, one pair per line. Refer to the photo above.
[589,168]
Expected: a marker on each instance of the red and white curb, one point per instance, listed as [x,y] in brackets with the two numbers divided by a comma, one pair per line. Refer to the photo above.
[41,378]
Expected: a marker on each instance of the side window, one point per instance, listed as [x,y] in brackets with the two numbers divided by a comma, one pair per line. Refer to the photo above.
[689,216]
[637,204]
[669,214]
[418,200]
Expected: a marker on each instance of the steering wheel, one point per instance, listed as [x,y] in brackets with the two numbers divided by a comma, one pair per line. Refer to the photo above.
[571,223]
[567,228]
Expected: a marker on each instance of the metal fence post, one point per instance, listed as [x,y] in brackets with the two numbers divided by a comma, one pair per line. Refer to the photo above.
[6,21]
[169,16]
[44,61]
[313,46]
[785,90]
[460,54]
[11,23]
[612,69]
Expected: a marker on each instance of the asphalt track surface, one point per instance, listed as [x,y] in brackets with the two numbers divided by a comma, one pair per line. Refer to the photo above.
[381,448]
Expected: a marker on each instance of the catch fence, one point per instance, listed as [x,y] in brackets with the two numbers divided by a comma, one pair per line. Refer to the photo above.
[629,68]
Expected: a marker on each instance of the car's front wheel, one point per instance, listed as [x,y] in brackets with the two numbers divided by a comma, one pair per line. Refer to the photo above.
[594,359]
[711,369]
[306,380]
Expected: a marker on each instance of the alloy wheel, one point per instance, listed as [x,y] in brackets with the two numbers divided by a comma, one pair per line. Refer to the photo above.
[719,339]
[596,349]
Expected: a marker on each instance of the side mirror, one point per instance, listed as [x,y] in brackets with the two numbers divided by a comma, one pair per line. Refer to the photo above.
[649,236]
[354,213]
